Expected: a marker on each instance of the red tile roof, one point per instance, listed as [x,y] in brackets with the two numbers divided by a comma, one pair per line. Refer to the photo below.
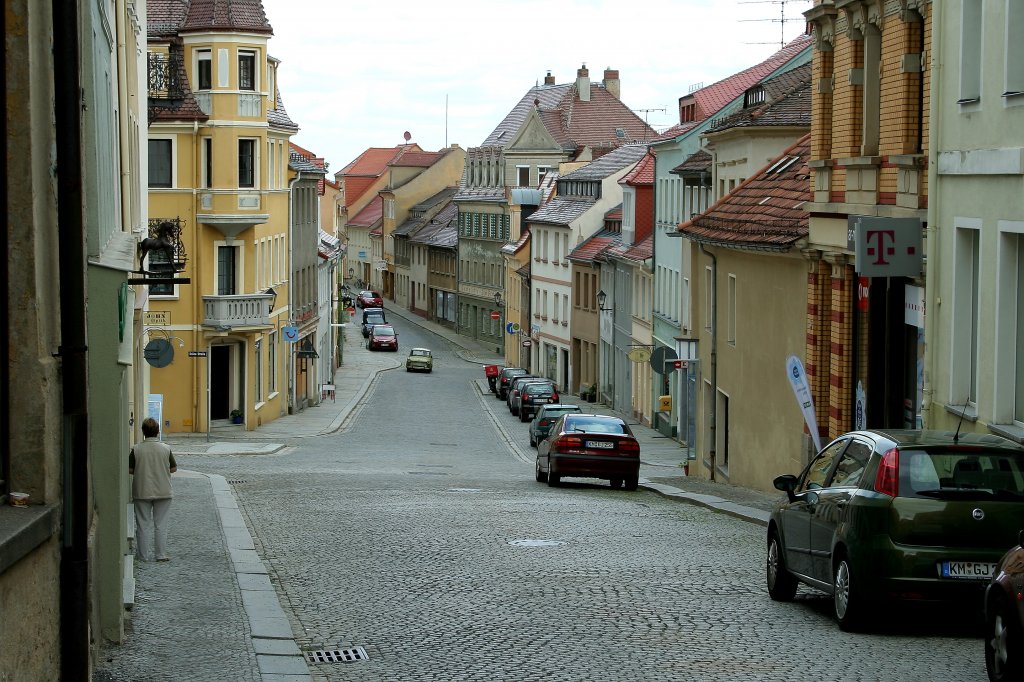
[375,160]
[419,159]
[227,15]
[595,246]
[369,215]
[766,212]
[643,250]
[642,173]
[712,98]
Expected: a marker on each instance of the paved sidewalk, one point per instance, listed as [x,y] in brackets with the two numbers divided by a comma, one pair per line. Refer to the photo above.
[214,611]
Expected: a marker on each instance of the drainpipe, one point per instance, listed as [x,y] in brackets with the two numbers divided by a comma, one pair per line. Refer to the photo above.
[712,449]
[72,352]
[292,406]
[933,279]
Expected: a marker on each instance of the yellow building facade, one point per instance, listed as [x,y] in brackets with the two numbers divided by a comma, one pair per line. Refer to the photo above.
[218,173]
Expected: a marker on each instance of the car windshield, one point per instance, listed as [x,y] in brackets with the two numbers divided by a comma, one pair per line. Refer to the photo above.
[374,319]
[595,425]
[962,474]
[383,330]
[421,353]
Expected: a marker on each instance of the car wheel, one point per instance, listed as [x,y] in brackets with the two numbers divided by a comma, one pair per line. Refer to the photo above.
[430,370]
[633,482]
[541,476]
[1003,643]
[781,583]
[533,442]
[615,482]
[846,596]
[553,478]
[523,416]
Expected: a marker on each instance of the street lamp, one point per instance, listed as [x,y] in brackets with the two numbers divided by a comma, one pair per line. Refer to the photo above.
[601,298]
[351,273]
[497,300]
[273,299]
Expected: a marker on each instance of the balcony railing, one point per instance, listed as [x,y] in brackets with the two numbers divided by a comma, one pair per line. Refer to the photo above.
[237,310]
[164,76]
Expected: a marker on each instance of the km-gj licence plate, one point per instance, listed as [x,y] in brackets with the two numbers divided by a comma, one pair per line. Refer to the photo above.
[971,570]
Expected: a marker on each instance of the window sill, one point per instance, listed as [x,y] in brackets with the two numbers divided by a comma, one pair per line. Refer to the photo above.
[968,413]
[22,529]
[1008,431]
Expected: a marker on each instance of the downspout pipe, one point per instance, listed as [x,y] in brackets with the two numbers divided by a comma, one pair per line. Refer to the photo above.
[73,351]
[713,408]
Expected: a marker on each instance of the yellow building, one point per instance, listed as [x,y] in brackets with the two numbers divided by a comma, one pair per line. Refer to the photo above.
[219,174]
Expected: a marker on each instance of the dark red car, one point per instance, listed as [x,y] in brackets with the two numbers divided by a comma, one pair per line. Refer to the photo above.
[382,337]
[1004,617]
[369,299]
[589,446]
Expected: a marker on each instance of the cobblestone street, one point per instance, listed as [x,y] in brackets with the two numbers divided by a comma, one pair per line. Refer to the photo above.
[415,532]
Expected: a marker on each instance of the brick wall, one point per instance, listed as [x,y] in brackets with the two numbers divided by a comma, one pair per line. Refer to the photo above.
[841,352]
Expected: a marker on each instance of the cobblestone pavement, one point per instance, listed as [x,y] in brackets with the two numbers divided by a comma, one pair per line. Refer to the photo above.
[416,531]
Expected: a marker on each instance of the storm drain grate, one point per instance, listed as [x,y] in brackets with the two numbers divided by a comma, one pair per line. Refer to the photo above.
[235,482]
[356,653]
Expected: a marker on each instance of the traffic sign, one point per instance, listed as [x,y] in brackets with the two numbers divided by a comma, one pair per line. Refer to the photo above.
[679,364]
[495,315]
[660,359]
[197,353]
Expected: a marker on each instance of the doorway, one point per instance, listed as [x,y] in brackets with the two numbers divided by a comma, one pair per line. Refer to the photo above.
[220,382]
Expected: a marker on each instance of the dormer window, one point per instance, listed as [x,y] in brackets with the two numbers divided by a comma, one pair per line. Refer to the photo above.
[204,70]
[753,97]
[246,70]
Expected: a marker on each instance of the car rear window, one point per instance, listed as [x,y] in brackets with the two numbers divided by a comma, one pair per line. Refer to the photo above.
[539,388]
[962,474]
[595,425]
[381,330]
[374,319]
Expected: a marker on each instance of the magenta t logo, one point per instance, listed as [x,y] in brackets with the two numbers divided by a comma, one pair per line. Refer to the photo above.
[883,240]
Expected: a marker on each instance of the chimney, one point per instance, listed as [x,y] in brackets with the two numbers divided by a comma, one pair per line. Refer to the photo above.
[583,83]
[549,79]
[611,82]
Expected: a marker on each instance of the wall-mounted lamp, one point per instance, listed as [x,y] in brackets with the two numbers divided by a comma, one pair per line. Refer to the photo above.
[601,298]
[273,299]
[498,301]
[351,273]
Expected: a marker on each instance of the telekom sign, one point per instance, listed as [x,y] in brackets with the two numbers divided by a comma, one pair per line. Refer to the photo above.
[886,247]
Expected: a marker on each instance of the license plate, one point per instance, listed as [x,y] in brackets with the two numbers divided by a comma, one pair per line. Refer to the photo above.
[972,570]
[599,445]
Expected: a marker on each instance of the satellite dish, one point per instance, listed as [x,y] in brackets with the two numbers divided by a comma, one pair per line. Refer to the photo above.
[407,136]
[158,353]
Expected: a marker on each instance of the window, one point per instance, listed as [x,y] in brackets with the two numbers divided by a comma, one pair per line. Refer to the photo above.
[272,363]
[732,310]
[970,52]
[246,70]
[872,92]
[161,163]
[204,70]
[523,176]
[708,283]
[966,262]
[541,172]
[271,88]
[1014,48]
[817,471]
[226,270]
[851,465]
[207,162]
[247,163]
[258,370]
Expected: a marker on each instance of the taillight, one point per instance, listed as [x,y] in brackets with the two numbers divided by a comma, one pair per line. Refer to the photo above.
[629,446]
[887,480]
[566,443]
[543,422]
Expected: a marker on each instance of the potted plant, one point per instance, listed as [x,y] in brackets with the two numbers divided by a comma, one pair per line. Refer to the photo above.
[236,416]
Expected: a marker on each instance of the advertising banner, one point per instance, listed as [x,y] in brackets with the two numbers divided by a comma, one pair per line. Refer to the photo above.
[802,390]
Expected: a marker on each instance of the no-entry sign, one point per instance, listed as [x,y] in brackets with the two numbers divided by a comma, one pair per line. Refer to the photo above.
[495,315]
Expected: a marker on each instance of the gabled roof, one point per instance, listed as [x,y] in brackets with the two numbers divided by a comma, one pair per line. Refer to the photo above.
[696,163]
[675,131]
[165,17]
[787,103]
[560,211]
[421,214]
[712,98]
[514,247]
[642,250]
[572,122]
[595,246]
[642,173]
[440,231]
[766,212]
[370,215]
[375,160]
[609,164]
[420,159]
[226,15]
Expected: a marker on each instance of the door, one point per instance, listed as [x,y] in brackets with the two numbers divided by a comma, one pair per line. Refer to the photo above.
[220,382]
[832,508]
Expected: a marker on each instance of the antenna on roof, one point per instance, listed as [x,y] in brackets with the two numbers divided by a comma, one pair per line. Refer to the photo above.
[782,20]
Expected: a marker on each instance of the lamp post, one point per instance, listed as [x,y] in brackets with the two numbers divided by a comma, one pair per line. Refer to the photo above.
[498,300]
[601,299]
[273,299]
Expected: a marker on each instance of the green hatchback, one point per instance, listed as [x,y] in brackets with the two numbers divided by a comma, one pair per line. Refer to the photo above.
[419,360]
[910,515]
[545,418]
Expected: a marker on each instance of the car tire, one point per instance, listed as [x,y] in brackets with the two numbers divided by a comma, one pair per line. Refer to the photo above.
[533,442]
[541,476]
[633,482]
[781,583]
[847,600]
[553,478]
[615,483]
[1004,646]
[523,416]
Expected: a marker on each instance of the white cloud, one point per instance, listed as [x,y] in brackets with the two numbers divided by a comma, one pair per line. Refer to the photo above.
[358,75]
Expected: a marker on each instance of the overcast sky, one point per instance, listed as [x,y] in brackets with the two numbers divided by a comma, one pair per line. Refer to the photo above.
[360,74]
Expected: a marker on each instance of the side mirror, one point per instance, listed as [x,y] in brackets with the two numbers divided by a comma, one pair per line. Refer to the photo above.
[786,483]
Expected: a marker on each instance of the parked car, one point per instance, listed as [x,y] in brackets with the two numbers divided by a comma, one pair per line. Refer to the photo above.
[912,515]
[420,359]
[545,417]
[589,446]
[382,337]
[504,377]
[369,299]
[1004,617]
[514,386]
[371,317]
[532,396]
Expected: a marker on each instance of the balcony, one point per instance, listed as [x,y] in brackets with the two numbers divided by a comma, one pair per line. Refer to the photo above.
[237,311]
